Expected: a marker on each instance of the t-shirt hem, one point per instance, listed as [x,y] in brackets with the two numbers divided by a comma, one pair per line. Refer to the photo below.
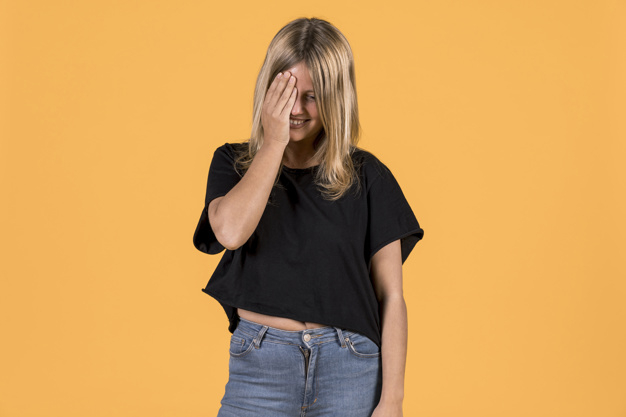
[320,320]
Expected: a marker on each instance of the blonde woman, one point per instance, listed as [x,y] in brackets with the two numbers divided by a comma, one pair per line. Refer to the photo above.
[316,231]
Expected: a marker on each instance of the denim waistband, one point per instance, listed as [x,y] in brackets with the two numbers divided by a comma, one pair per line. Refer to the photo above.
[307,337]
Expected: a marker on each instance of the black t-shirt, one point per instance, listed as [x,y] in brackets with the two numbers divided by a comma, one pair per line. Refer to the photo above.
[309,258]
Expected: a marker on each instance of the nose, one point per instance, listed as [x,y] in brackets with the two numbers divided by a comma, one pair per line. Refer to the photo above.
[297,106]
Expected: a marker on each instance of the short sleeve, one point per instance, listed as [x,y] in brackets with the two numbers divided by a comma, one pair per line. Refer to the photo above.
[390,216]
[222,178]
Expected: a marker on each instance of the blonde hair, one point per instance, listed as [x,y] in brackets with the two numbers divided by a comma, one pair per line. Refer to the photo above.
[327,54]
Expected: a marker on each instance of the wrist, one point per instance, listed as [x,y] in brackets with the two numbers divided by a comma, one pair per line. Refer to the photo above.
[392,398]
[274,145]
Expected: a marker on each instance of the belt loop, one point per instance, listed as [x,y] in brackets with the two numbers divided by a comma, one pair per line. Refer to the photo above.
[340,334]
[259,336]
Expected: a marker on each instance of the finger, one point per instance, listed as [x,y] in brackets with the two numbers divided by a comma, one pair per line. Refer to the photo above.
[286,94]
[270,91]
[290,102]
[279,91]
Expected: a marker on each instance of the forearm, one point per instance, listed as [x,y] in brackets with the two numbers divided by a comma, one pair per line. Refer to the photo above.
[238,213]
[394,347]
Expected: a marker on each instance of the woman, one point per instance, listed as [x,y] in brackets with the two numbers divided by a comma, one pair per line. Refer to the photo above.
[316,231]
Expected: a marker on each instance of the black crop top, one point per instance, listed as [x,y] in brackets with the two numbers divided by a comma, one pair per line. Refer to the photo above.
[309,259]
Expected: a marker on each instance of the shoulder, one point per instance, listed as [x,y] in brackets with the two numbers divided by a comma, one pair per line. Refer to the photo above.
[369,165]
[225,157]
[232,148]
[229,151]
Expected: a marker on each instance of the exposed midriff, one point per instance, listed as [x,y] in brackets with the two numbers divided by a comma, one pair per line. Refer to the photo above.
[282,323]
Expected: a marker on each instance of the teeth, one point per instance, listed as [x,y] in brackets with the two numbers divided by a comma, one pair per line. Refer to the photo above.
[299,122]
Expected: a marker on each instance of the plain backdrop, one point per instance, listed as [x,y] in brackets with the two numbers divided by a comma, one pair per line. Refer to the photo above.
[503,121]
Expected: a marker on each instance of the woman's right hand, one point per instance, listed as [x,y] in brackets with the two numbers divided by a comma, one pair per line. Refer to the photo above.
[279,100]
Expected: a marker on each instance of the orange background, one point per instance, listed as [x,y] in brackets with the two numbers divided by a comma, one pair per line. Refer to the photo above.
[503,121]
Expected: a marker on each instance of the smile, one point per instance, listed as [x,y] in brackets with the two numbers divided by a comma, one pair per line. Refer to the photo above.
[298,123]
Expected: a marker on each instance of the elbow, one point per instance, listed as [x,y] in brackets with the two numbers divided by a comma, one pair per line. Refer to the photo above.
[227,229]
[227,238]
[230,246]
[391,297]
[229,235]
[221,226]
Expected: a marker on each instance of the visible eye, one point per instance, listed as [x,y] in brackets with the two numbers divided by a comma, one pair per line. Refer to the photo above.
[311,97]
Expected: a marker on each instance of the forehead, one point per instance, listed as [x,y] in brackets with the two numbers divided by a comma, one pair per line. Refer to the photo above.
[303,78]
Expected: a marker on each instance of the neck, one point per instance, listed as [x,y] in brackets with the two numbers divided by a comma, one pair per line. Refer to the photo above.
[299,154]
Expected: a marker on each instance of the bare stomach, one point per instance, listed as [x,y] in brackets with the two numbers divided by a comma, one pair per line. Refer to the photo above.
[282,323]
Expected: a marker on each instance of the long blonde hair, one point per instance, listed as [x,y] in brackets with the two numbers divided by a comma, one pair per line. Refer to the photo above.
[328,56]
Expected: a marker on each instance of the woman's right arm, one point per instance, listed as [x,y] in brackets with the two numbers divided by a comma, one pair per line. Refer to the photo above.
[236,215]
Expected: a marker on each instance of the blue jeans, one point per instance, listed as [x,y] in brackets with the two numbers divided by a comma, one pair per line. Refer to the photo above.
[325,371]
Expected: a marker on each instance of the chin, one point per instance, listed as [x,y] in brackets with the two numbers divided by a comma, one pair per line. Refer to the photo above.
[298,136]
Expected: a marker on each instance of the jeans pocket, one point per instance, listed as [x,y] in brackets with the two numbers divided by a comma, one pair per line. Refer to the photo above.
[240,344]
[362,346]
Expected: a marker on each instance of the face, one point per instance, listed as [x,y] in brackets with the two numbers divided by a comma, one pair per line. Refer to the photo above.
[304,108]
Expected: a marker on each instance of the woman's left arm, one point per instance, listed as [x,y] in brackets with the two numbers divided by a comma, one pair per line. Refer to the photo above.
[386,274]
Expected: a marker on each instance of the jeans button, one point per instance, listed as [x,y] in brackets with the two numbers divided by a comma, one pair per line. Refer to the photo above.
[307,337]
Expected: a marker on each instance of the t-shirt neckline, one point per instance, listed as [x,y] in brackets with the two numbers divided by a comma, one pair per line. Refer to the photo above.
[308,169]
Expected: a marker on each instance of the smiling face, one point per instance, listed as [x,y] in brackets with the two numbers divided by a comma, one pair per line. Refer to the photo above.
[304,109]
